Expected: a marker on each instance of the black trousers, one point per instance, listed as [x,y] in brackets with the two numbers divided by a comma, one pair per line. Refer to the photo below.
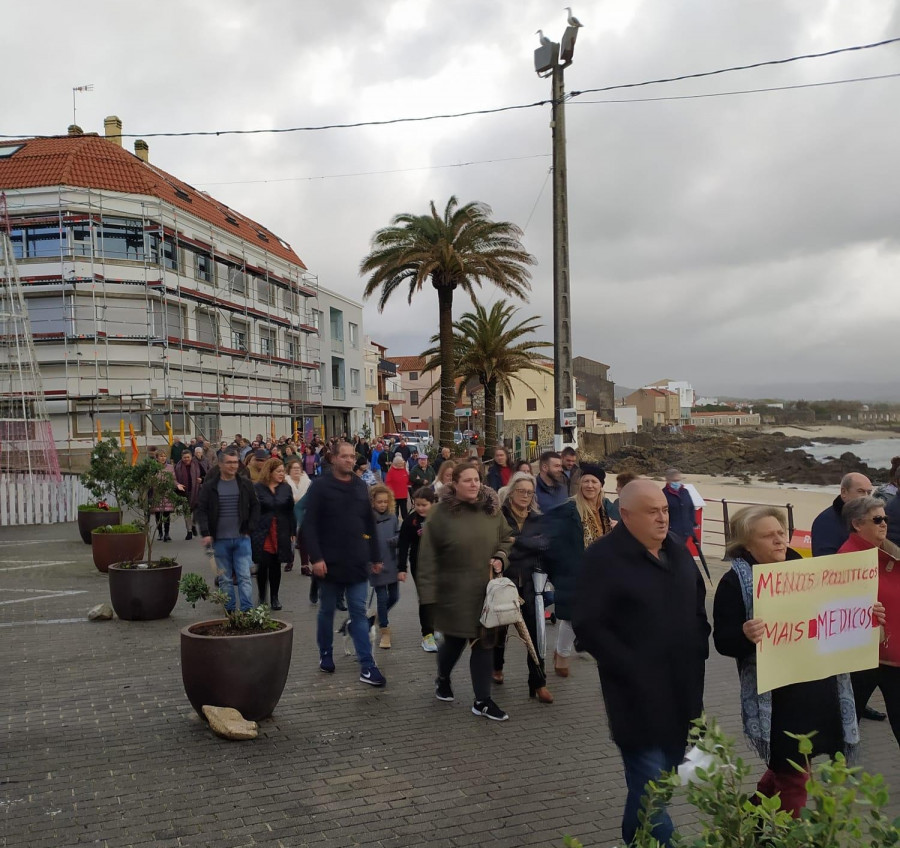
[887,679]
[426,615]
[450,651]
[536,676]
[268,574]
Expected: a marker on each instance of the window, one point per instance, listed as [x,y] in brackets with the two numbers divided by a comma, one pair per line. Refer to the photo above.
[234,276]
[293,348]
[169,251]
[121,238]
[370,378]
[413,375]
[414,397]
[531,432]
[317,319]
[579,421]
[239,335]
[38,242]
[501,405]
[338,387]
[204,267]
[353,332]
[207,327]
[264,291]
[531,406]
[354,381]
[6,152]
[268,341]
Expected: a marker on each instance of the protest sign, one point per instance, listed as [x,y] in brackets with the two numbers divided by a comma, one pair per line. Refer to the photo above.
[818,618]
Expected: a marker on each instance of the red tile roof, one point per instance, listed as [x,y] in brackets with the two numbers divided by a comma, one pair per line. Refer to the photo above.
[90,161]
[408,363]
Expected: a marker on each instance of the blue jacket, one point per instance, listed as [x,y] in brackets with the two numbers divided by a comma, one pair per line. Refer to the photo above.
[387,528]
[828,530]
[681,512]
[565,551]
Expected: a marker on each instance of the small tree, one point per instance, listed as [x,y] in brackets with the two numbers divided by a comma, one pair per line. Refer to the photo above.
[148,487]
[108,471]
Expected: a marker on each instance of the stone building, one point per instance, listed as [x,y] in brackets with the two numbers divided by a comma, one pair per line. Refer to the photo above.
[592,379]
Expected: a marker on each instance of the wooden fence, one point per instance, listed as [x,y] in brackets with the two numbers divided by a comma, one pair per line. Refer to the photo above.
[39,500]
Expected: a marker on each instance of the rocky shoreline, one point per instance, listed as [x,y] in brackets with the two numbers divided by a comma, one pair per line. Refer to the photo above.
[766,456]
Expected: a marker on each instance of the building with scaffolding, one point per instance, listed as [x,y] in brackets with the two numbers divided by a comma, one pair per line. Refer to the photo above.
[152,302]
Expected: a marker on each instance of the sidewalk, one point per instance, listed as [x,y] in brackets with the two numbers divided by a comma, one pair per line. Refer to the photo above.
[101,746]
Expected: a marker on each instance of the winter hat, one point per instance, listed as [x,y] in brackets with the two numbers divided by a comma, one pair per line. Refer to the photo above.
[262,453]
[594,470]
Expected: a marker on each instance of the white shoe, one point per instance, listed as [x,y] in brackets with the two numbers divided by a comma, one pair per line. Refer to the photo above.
[429,645]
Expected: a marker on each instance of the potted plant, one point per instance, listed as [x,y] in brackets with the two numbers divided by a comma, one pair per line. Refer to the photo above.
[239,661]
[140,587]
[112,543]
[102,479]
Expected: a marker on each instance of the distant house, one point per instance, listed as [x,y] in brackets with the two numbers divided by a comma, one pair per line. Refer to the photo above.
[656,407]
[685,392]
[419,413]
[732,418]
[592,379]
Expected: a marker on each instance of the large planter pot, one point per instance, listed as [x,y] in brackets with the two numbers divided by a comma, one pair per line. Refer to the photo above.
[247,673]
[143,594]
[91,519]
[108,548]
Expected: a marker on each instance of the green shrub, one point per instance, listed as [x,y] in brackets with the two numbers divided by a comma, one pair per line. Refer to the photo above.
[195,588]
[118,528]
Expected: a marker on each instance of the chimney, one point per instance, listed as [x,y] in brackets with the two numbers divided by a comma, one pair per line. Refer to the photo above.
[74,129]
[112,126]
[142,150]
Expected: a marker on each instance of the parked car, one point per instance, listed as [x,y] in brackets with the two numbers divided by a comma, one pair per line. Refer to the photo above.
[424,436]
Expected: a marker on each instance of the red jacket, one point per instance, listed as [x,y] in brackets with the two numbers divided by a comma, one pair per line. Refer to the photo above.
[888,594]
[397,480]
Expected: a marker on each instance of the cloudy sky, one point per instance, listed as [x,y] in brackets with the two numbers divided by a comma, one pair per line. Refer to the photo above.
[748,240]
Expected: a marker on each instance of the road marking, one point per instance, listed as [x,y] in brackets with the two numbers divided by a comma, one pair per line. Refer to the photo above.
[32,564]
[24,542]
[61,594]
[43,621]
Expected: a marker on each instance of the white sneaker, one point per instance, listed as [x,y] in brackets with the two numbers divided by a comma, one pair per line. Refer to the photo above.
[429,645]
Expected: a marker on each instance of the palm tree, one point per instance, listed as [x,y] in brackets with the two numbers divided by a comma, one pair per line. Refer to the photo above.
[489,348]
[460,248]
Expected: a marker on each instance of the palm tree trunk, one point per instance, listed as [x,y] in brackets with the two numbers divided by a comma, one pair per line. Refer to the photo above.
[448,393]
[490,416]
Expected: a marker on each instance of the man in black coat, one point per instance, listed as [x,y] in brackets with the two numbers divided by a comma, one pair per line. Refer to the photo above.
[640,611]
[339,533]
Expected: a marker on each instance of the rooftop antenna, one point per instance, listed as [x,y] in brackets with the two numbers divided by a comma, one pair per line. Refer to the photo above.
[89,87]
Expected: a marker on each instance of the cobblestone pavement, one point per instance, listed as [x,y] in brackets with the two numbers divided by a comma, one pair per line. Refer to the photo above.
[102,748]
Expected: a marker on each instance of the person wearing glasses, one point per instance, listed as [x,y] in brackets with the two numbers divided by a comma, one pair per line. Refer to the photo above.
[519,507]
[868,526]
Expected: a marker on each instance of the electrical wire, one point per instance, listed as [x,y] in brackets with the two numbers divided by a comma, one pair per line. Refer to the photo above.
[739,91]
[374,173]
[494,111]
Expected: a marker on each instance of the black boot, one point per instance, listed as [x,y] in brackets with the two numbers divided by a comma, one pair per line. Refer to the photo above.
[276,604]
[262,582]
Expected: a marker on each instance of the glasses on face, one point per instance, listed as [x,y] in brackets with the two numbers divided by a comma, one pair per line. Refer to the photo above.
[527,492]
[879,519]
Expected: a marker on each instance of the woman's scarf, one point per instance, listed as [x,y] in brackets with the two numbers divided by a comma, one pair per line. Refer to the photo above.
[596,525]
[300,487]
[756,709]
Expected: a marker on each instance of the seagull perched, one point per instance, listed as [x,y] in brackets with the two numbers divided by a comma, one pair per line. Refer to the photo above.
[546,42]
[572,21]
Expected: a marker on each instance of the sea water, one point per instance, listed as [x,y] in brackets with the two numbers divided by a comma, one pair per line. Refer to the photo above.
[874,452]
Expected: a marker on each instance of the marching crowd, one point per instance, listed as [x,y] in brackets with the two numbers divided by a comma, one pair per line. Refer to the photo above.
[623,583]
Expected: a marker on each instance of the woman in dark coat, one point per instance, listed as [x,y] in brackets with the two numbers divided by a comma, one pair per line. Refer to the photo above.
[570,528]
[758,535]
[521,511]
[500,472]
[465,542]
[272,539]
[188,477]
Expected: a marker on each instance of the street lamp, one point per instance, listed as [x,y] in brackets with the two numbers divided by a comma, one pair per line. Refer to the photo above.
[550,60]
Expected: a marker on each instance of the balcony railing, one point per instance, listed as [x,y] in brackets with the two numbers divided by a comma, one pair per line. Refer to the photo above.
[396,397]
[338,393]
[337,345]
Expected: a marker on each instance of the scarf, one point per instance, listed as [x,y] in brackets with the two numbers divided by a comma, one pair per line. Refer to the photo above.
[756,709]
[299,489]
[596,525]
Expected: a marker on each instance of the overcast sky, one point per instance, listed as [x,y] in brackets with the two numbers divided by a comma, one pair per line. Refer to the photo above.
[746,240]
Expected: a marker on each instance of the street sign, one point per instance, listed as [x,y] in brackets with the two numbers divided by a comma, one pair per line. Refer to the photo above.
[568,418]
[463,413]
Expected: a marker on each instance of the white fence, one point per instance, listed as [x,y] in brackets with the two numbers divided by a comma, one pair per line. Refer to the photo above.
[38,500]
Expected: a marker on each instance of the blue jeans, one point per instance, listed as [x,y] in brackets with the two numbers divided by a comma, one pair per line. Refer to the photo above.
[359,625]
[233,556]
[640,768]
[386,596]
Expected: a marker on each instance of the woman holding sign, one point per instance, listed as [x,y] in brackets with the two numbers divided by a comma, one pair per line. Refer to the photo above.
[758,535]
[868,526]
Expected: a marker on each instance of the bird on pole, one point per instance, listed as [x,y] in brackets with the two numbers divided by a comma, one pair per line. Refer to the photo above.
[546,42]
[572,20]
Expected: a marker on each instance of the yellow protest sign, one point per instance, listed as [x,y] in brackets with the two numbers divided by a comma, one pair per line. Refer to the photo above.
[818,618]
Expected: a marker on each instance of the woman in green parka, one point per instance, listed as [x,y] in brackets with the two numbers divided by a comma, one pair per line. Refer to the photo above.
[465,543]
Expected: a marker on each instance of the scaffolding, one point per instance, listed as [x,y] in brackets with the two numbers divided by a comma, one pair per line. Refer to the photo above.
[27,448]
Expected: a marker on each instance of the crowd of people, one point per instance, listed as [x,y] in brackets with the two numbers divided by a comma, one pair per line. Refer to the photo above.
[619,574]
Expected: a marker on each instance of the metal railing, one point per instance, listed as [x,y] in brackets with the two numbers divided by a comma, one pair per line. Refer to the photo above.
[720,531]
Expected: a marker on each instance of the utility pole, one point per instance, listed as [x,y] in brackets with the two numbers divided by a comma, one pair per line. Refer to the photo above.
[551,59]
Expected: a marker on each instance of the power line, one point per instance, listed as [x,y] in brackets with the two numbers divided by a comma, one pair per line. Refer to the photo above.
[739,91]
[497,110]
[768,63]
[374,173]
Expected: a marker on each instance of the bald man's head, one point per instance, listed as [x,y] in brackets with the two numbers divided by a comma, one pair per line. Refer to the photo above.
[645,512]
[855,486]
